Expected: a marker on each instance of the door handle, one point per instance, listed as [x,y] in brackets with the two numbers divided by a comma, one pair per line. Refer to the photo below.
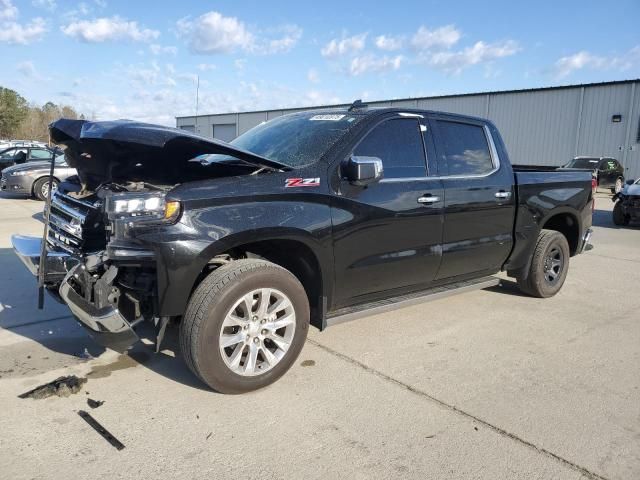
[428,199]
[503,194]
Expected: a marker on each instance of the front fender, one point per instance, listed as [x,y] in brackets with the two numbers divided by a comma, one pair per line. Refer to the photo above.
[185,249]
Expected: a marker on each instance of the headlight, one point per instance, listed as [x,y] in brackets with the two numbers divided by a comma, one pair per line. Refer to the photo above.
[19,173]
[147,206]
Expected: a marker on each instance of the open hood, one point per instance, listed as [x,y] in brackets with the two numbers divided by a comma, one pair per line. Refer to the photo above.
[123,150]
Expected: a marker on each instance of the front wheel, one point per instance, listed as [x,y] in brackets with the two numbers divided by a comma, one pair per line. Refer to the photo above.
[549,266]
[619,218]
[245,325]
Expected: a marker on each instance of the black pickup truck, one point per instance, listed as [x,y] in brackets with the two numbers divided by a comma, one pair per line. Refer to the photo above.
[316,217]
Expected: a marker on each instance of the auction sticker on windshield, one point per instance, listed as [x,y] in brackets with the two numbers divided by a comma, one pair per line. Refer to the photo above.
[326,117]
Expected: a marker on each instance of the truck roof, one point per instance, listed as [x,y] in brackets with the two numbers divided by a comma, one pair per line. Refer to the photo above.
[370,111]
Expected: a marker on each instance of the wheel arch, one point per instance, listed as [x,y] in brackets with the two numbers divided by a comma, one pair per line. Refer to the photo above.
[297,253]
[566,223]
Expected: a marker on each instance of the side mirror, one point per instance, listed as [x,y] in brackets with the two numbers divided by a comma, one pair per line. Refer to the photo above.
[362,170]
[630,182]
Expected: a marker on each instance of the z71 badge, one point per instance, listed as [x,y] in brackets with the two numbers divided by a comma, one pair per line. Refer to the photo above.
[302,182]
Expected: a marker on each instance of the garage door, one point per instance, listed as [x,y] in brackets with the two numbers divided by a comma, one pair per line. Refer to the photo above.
[224,131]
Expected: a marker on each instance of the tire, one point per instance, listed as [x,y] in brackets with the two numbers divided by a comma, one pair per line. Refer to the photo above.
[619,218]
[618,185]
[41,186]
[549,266]
[217,312]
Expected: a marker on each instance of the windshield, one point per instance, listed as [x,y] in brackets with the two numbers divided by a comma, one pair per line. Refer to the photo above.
[590,163]
[294,140]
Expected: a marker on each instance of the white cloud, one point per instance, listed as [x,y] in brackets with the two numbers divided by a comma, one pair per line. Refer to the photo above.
[215,33]
[344,46]
[442,37]
[456,61]
[100,3]
[206,67]
[389,43]
[240,63]
[312,75]
[27,68]
[291,34]
[8,11]
[109,29]
[23,34]
[160,50]
[370,63]
[586,60]
[49,5]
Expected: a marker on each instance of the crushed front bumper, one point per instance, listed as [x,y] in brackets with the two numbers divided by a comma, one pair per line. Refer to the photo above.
[107,326]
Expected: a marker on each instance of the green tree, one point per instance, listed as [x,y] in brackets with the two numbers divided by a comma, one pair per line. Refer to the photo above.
[13,110]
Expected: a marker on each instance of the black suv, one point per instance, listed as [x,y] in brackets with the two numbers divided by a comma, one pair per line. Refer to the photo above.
[607,171]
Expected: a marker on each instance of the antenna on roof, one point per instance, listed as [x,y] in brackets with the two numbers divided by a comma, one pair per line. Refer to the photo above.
[357,105]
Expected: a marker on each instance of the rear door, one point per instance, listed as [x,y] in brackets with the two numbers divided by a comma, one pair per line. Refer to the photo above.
[387,235]
[479,208]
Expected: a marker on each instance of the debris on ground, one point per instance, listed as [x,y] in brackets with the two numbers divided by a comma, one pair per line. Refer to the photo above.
[61,387]
[94,403]
[86,416]
[308,363]
[208,436]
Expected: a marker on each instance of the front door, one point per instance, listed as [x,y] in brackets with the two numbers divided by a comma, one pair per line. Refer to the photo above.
[387,235]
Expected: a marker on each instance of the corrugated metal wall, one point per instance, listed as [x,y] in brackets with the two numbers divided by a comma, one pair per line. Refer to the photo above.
[539,127]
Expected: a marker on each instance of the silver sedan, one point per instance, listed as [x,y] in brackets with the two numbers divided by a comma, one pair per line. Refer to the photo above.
[32,178]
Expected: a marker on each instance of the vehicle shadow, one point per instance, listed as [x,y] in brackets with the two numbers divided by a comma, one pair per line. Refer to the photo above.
[604,219]
[39,216]
[507,287]
[55,329]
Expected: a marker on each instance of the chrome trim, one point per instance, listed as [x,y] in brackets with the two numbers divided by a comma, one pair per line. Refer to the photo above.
[502,195]
[586,239]
[68,210]
[28,249]
[410,115]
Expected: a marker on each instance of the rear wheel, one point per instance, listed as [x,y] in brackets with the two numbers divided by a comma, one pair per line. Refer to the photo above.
[619,218]
[549,266]
[41,188]
[245,325]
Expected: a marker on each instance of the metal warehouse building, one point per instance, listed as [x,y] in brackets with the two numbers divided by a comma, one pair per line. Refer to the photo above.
[540,126]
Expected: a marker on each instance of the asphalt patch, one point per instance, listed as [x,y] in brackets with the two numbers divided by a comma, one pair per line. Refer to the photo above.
[60,387]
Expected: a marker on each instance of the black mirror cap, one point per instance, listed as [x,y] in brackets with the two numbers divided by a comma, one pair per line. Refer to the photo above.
[630,181]
[361,171]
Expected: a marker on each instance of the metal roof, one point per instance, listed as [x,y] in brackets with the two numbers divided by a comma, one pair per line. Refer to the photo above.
[455,95]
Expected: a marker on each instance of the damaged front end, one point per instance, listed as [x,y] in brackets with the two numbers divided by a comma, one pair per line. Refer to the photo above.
[107,281]
[93,258]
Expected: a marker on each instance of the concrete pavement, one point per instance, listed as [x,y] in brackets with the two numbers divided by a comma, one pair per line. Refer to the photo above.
[489,384]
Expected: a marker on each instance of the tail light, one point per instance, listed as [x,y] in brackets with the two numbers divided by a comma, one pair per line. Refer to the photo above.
[594,187]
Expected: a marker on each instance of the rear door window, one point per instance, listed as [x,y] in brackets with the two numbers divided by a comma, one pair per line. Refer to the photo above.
[465,148]
[398,143]
[39,154]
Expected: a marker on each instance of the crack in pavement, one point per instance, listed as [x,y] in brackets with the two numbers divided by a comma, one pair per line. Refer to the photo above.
[615,258]
[36,322]
[453,408]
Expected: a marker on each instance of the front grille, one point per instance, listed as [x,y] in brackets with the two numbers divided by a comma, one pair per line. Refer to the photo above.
[68,222]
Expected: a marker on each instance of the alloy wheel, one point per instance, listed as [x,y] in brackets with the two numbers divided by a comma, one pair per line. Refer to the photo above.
[257,332]
[553,265]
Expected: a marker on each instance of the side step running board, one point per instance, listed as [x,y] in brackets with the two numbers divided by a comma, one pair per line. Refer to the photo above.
[374,308]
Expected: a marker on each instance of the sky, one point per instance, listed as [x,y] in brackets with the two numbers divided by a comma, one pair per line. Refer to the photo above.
[143,60]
